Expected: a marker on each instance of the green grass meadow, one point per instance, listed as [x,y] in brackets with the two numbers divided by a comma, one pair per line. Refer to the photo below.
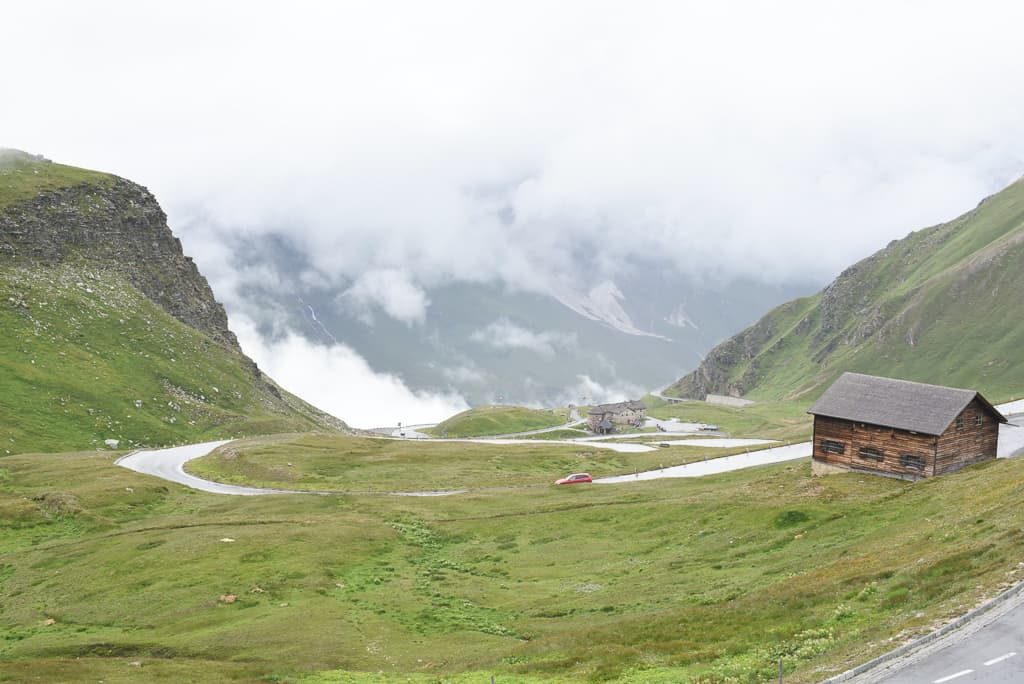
[108,574]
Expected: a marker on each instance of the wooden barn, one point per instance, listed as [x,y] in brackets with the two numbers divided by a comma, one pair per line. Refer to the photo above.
[899,428]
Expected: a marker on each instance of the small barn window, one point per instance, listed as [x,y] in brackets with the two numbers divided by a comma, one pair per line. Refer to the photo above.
[978,419]
[912,461]
[959,422]
[870,453]
[830,446]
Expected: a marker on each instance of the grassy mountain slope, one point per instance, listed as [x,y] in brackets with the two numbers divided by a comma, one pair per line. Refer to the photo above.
[24,176]
[103,219]
[85,355]
[81,347]
[942,305]
[498,420]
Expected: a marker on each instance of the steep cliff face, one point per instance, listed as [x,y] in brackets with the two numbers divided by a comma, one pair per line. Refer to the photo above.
[118,223]
[110,333]
[942,305]
[714,375]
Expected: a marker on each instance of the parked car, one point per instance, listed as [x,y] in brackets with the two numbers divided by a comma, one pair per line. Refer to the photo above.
[575,478]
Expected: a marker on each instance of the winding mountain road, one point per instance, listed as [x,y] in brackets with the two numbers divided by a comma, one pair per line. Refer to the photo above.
[661,396]
[168,464]
[716,466]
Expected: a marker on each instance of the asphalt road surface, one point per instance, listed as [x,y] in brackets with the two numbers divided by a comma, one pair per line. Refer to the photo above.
[168,464]
[723,464]
[996,660]
[988,649]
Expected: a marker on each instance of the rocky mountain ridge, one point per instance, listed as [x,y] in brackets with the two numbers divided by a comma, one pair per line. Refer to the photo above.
[940,305]
[119,223]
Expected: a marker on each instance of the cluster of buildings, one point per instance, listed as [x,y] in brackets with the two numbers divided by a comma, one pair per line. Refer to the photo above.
[604,419]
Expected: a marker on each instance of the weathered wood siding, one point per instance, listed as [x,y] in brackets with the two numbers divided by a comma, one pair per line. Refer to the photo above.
[967,443]
[893,445]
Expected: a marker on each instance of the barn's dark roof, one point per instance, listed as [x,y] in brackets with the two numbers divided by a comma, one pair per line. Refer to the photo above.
[928,409]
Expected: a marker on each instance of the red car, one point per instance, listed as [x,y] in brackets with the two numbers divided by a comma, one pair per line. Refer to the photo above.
[575,478]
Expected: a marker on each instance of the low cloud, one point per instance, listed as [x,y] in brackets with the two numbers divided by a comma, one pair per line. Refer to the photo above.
[337,380]
[465,375]
[389,290]
[588,391]
[579,139]
[504,334]
[549,147]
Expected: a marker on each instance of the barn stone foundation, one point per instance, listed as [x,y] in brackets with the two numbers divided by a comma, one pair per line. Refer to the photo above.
[819,468]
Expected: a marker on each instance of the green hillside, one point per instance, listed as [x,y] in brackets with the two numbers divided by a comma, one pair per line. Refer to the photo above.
[497,420]
[109,330]
[84,358]
[23,176]
[942,305]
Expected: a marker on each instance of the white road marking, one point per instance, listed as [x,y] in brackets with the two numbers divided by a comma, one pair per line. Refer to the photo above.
[961,673]
[1000,658]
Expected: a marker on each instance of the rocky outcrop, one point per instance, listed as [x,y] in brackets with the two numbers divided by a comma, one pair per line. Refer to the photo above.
[119,223]
[847,313]
[92,248]
[714,375]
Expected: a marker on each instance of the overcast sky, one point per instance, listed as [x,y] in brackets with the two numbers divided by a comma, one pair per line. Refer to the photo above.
[402,145]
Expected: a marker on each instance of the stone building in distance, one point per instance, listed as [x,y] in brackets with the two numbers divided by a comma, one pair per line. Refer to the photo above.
[606,418]
[899,428]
